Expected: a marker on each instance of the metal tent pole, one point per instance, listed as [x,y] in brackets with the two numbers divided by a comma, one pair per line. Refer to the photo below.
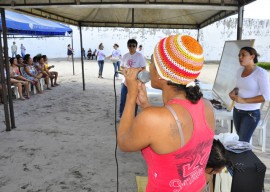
[4,88]
[72,56]
[4,29]
[240,22]
[80,27]
[198,35]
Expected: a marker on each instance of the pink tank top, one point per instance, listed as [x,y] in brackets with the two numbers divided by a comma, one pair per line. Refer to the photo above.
[184,169]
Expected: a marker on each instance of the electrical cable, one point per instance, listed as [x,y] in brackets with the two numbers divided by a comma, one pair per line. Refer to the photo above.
[115,127]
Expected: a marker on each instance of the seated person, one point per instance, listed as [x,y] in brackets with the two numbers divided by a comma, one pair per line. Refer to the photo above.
[30,72]
[54,74]
[16,75]
[216,163]
[40,66]
[89,53]
[16,83]
[19,61]
[94,54]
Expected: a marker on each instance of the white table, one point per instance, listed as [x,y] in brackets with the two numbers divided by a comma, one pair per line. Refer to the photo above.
[221,114]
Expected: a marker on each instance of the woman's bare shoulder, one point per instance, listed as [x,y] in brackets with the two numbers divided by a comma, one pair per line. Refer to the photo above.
[208,105]
[152,115]
[209,114]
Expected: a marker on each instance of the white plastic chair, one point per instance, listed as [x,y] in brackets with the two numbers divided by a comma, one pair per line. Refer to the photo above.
[16,92]
[42,83]
[262,125]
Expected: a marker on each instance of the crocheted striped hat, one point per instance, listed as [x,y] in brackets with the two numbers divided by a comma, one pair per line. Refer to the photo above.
[179,59]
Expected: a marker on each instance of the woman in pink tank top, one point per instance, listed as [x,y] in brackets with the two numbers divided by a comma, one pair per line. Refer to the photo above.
[175,139]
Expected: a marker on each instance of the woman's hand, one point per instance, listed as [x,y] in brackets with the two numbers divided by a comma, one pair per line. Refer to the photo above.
[142,99]
[233,94]
[235,97]
[239,99]
[130,75]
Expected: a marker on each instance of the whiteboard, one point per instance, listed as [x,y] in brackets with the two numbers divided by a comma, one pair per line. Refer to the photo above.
[225,79]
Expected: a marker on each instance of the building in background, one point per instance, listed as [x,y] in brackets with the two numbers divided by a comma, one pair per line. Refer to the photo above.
[212,38]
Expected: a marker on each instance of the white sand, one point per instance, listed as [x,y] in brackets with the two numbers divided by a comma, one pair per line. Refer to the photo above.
[65,138]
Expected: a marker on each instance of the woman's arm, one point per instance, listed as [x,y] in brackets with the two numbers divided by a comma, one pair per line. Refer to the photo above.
[257,99]
[142,99]
[210,114]
[262,79]
[26,69]
[22,78]
[133,133]
[45,71]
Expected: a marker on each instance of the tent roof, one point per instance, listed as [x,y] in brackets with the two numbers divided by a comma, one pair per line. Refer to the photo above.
[26,25]
[176,14]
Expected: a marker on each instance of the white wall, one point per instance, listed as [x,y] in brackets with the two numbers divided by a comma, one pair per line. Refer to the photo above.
[212,38]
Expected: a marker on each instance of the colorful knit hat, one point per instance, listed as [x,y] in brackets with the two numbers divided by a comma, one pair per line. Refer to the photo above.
[179,59]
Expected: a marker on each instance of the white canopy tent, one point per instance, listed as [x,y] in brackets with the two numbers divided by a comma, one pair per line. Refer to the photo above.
[176,14]
[169,14]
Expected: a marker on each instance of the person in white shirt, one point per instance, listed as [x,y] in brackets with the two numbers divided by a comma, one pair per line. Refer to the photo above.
[23,49]
[140,49]
[14,49]
[132,59]
[100,59]
[115,58]
[252,89]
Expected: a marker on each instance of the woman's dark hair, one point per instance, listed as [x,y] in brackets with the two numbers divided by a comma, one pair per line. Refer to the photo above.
[252,51]
[11,60]
[44,57]
[35,59]
[116,45]
[193,94]
[100,46]
[39,58]
[26,58]
[18,56]
[217,158]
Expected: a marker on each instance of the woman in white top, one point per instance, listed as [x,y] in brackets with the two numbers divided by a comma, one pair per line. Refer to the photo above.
[252,89]
[115,58]
[100,59]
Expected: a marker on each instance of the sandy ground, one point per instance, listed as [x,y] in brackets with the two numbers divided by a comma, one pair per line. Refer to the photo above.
[65,138]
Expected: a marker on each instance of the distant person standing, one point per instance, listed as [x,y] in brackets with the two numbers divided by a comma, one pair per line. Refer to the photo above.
[14,49]
[251,90]
[140,49]
[115,58]
[83,53]
[89,54]
[100,59]
[23,50]
[132,59]
[69,52]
